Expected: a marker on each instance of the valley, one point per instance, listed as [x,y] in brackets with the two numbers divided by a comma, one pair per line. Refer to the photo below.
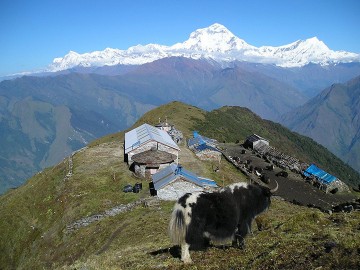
[47,118]
[334,111]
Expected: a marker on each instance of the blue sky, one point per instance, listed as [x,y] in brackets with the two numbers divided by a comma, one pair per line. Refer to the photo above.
[34,32]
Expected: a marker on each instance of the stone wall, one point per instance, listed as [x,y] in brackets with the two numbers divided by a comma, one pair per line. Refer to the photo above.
[139,170]
[336,184]
[209,155]
[108,213]
[143,170]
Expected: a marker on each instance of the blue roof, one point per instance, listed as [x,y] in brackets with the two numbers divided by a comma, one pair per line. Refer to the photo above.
[203,147]
[196,141]
[200,140]
[208,182]
[323,176]
[173,171]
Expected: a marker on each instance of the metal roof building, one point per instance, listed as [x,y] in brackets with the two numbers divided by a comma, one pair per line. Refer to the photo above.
[322,176]
[204,148]
[174,181]
[145,133]
[256,142]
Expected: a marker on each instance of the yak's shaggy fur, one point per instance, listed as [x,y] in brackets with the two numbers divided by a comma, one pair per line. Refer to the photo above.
[220,216]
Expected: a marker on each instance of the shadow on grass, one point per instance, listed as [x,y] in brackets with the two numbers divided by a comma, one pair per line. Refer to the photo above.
[174,251]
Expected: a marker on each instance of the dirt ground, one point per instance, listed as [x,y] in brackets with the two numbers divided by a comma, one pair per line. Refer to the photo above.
[293,188]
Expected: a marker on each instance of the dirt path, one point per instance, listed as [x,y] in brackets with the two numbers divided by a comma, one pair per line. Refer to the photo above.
[112,237]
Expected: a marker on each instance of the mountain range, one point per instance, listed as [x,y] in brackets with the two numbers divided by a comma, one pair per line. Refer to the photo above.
[214,43]
[46,116]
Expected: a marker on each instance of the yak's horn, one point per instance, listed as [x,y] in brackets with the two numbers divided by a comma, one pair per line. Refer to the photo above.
[275,188]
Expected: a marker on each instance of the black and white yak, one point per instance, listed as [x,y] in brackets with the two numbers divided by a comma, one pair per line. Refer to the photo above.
[219,216]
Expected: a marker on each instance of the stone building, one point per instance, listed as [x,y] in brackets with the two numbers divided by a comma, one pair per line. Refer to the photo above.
[149,162]
[204,148]
[324,180]
[174,181]
[256,142]
[206,152]
[144,145]
[175,134]
[164,125]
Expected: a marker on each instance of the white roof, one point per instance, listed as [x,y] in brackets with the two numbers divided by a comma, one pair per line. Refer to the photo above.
[144,133]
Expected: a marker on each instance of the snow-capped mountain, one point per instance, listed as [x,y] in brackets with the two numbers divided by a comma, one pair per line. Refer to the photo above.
[217,43]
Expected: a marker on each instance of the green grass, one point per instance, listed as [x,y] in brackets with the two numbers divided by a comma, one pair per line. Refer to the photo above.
[294,238]
[34,217]
[231,124]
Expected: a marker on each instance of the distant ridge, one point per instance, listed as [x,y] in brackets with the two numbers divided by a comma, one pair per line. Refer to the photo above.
[334,111]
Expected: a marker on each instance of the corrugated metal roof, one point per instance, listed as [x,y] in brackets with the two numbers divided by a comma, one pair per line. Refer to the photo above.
[144,133]
[208,182]
[255,137]
[164,177]
[173,171]
[203,147]
[195,141]
[323,176]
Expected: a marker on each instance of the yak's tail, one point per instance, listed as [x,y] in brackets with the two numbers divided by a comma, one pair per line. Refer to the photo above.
[177,226]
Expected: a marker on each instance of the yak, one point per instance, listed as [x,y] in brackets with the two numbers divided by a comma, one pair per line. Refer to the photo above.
[220,216]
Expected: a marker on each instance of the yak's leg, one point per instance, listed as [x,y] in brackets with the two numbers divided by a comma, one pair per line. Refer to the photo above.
[185,254]
[238,241]
[240,233]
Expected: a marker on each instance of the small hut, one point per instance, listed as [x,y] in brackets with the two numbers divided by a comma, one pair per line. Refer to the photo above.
[149,162]
[207,152]
[145,138]
[174,181]
[324,180]
[204,148]
[164,125]
[256,142]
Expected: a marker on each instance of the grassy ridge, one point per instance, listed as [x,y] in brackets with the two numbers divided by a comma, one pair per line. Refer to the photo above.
[34,218]
[293,237]
[233,124]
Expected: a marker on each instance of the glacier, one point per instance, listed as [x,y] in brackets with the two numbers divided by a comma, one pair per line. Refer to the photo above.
[215,43]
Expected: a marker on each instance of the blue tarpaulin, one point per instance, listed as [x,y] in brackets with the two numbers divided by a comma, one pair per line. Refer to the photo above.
[200,140]
[323,176]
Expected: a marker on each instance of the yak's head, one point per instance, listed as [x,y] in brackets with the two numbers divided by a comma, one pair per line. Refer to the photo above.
[265,198]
